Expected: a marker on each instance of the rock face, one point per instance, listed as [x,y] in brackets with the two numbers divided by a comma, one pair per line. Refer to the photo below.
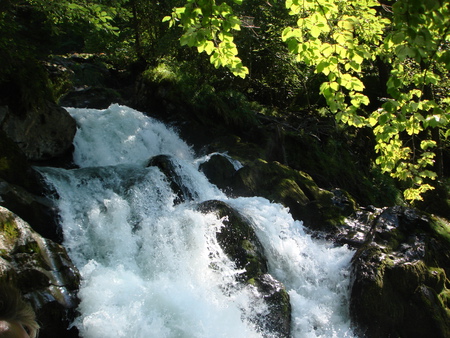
[319,209]
[44,273]
[240,243]
[42,133]
[219,170]
[167,167]
[400,276]
[22,191]
[34,209]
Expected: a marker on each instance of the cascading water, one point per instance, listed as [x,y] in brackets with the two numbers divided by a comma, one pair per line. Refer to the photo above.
[147,262]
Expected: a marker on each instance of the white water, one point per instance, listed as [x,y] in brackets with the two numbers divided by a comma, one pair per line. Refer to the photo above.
[147,264]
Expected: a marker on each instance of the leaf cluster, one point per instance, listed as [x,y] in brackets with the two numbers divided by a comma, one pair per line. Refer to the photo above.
[343,41]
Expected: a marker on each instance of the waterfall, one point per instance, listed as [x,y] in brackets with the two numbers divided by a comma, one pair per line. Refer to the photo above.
[153,268]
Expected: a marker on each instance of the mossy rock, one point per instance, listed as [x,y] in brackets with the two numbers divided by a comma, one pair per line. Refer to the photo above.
[240,243]
[238,240]
[401,277]
[43,272]
[294,189]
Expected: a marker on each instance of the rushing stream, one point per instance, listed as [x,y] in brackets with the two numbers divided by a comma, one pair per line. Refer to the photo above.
[146,262]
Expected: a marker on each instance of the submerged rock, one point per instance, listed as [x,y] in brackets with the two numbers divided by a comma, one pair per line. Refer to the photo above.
[43,272]
[400,274]
[239,241]
[167,167]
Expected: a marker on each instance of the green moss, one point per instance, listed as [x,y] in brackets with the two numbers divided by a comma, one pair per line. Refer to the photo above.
[30,248]
[163,72]
[441,227]
[444,296]
[8,229]
[4,163]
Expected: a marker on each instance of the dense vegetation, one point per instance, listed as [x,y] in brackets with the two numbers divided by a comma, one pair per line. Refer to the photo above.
[380,69]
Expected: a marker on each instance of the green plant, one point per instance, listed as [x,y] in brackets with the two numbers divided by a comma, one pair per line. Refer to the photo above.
[342,40]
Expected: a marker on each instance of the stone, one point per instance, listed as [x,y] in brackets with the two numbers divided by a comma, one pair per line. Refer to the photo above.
[319,209]
[219,171]
[240,243]
[400,277]
[167,167]
[35,209]
[44,132]
[42,270]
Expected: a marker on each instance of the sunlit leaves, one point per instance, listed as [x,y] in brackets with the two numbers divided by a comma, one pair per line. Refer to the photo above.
[208,26]
[341,40]
[338,40]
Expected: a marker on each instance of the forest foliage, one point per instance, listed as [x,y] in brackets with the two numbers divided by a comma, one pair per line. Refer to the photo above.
[344,40]
[293,48]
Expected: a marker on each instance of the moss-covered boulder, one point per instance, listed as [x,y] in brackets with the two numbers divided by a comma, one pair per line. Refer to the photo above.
[43,272]
[319,209]
[400,277]
[240,243]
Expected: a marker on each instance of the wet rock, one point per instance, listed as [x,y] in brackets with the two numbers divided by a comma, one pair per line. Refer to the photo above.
[239,241]
[44,132]
[319,209]
[91,97]
[219,171]
[34,209]
[400,277]
[168,168]
[22,190]
[43,272]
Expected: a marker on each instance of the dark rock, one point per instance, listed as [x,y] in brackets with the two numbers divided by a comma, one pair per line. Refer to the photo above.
[91,97]
[316,207]
[400,277]
[22,190]
[34,209]
[277,320]
[219,171]
[44,132]
[15,167]
[167,167]
[43,272]
[239,241]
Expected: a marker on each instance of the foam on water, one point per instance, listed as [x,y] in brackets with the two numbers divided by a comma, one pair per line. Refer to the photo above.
[122,135]
[154,269]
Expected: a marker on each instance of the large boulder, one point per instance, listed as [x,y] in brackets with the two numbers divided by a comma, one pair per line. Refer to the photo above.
[240,243]
[400,275]
[319,209]
[43,132]
[219,171]
[35,209]
[22,190]
[43,272]
[168,168]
